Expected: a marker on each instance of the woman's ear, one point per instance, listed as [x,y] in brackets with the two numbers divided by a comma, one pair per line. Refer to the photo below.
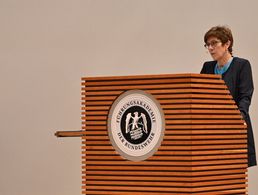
[228,43]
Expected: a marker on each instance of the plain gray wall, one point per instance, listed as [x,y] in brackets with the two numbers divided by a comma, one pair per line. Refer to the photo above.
[47,46]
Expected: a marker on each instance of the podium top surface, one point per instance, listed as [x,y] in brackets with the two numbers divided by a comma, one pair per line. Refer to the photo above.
[156,76]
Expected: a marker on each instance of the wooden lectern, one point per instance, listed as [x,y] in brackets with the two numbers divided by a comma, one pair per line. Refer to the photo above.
[203,150]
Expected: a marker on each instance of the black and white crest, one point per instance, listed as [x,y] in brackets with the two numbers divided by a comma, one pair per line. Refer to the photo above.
[136,125]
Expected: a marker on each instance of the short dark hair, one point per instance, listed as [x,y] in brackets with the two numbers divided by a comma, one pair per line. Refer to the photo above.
[223,33]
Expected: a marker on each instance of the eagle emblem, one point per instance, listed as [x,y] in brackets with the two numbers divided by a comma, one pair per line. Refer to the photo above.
[136,125]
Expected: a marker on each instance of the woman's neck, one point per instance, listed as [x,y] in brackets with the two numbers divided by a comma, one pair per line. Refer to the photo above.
[224,59]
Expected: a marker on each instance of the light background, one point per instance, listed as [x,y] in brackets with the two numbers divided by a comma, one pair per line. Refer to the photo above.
[47,46]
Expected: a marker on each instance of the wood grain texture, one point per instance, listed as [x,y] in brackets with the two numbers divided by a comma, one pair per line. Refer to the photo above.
[204,150]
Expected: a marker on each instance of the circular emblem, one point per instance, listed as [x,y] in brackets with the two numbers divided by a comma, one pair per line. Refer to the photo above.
[136,125]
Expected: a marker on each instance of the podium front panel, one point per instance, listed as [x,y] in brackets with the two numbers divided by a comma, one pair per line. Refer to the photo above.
[203,151]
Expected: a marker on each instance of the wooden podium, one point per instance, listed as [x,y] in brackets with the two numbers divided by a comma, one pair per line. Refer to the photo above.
[203,151]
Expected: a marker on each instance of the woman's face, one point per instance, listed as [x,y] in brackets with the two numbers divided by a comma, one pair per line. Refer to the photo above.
[216,49]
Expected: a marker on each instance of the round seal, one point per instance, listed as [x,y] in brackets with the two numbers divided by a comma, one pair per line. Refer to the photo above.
[136,125]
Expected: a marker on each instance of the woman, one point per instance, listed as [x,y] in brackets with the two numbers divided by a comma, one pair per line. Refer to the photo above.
[236,72]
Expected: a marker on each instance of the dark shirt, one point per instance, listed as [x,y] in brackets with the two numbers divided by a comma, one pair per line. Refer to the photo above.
[239,81]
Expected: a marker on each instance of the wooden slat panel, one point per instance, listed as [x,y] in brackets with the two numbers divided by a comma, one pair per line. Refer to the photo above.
[194,175]
[181,142]
[171,122]
[219,187]
[205,121]
[155,81]
[182,116]
[178,132]
[171,158]
[196,116]
[171,101]
[161,91]
[205,126]
[185,137]
[238,191]
[167,189]
[202,106]
[178,148]
[204,148]
[165,184]
[195,111]
[125,193]
[160,178]
[182,137]
[164,168]
[193,96]
[102,126]
[190,153]
[165,163]
[144,77]
[211,152]
[166,96]
[176,106]
[199,111]
[221,192]
[155,86]
[136,188]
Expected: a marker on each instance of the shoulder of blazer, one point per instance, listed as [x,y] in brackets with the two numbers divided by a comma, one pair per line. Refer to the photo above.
[240,61]
[209,66]
[210,63]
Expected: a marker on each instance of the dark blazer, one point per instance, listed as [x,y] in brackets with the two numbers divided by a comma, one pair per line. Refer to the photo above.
[239,81]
